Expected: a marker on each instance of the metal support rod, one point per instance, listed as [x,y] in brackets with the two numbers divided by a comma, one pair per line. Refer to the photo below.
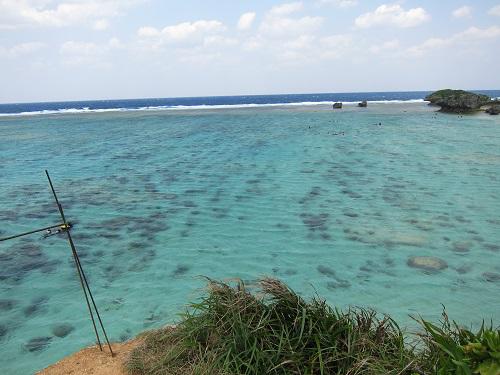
[83,279]
[31,232]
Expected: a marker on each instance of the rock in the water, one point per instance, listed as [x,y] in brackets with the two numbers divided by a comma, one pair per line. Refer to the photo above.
[37,304]
[22,259]
[427,263]
[491,276]
[462,246]
[37,343]
[327,271]
[332,285]
[180,270]
[458,101]
[494,108]
[463,269]
[62,330]
[7,304]
[492,247]
[3,331]
[363,104]
[337,105]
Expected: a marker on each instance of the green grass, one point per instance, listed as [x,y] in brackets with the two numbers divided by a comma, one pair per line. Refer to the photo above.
[275,331]
[452,349]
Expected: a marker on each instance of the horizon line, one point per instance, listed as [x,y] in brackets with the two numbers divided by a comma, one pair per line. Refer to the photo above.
[226,96]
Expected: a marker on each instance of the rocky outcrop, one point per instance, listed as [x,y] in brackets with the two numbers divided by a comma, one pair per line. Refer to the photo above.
[458,101]
[337,105]
[491,277]
[363,104]
[493,108]
[425,263]
[62,330]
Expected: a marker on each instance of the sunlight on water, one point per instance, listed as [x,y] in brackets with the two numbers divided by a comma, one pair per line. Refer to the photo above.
[334,202]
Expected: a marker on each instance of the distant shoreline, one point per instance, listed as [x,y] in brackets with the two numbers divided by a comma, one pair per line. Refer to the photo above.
[86,110]
[216,102]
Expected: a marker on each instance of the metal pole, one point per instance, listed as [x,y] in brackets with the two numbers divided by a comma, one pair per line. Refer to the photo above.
[31,232]
[83,279]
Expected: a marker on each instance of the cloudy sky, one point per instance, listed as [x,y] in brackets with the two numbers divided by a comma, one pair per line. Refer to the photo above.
[101,49]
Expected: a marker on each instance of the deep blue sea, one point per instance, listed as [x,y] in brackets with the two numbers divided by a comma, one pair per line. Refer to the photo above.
[164,191]
[212,102]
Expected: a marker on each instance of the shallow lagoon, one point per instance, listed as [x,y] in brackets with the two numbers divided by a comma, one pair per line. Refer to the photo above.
[328,201]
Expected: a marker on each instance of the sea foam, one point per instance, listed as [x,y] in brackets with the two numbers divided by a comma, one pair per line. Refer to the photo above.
[199,107]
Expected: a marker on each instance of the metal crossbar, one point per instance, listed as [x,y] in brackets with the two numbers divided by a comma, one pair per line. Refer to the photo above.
[65,227]
[31,232]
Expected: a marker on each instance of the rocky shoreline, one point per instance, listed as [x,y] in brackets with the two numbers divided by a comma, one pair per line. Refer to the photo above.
[460,101]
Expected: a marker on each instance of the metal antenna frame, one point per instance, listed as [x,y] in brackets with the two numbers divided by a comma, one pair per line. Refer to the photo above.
[31,232]
[81,274]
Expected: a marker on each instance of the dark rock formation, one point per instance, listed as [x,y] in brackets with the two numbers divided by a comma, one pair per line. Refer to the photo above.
[327,271]
[337,105]
[363,104]
[491,276]
[62,330]
[7,304]
[23,258]
[457,101]
[493,108]
[427,263]
[37,343]
[462,246]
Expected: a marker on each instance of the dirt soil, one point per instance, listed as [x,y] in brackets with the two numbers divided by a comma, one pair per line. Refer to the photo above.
[93,361]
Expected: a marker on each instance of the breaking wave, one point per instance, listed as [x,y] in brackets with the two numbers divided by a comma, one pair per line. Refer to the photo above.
[196,107]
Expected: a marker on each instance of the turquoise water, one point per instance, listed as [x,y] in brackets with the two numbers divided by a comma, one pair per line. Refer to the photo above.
[327,201]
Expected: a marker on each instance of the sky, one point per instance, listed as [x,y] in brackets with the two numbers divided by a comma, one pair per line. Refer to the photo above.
[111,49]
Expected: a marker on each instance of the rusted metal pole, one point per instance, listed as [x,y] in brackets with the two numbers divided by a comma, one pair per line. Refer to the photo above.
[30,232]
[81,274]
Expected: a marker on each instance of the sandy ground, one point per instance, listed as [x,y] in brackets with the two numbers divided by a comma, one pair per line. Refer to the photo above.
[93,361]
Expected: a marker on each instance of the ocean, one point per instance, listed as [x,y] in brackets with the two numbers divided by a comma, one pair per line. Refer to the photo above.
[165,192]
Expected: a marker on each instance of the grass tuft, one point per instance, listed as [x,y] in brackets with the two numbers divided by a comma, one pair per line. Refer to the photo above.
[275,331]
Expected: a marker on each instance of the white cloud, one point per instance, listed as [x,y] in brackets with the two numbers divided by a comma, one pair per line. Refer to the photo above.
[79,48]
[23,13]
[246,20]
[148,32]
[464,11]
[470,36]
[301,42]
[280,22]
[278,26]
[101,24]
[386,46]
[495,11]
[89,53]
[183,32]
[340,3]
[334,46]
[197,42]
[252,44]
[475,33]
[21,49]
[115,43]
[283,36]
[392,14]
[219,41]
[286,9]
[429,44]
[309,49]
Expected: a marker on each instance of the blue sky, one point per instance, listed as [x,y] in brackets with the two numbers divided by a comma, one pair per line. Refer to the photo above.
[89,49]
